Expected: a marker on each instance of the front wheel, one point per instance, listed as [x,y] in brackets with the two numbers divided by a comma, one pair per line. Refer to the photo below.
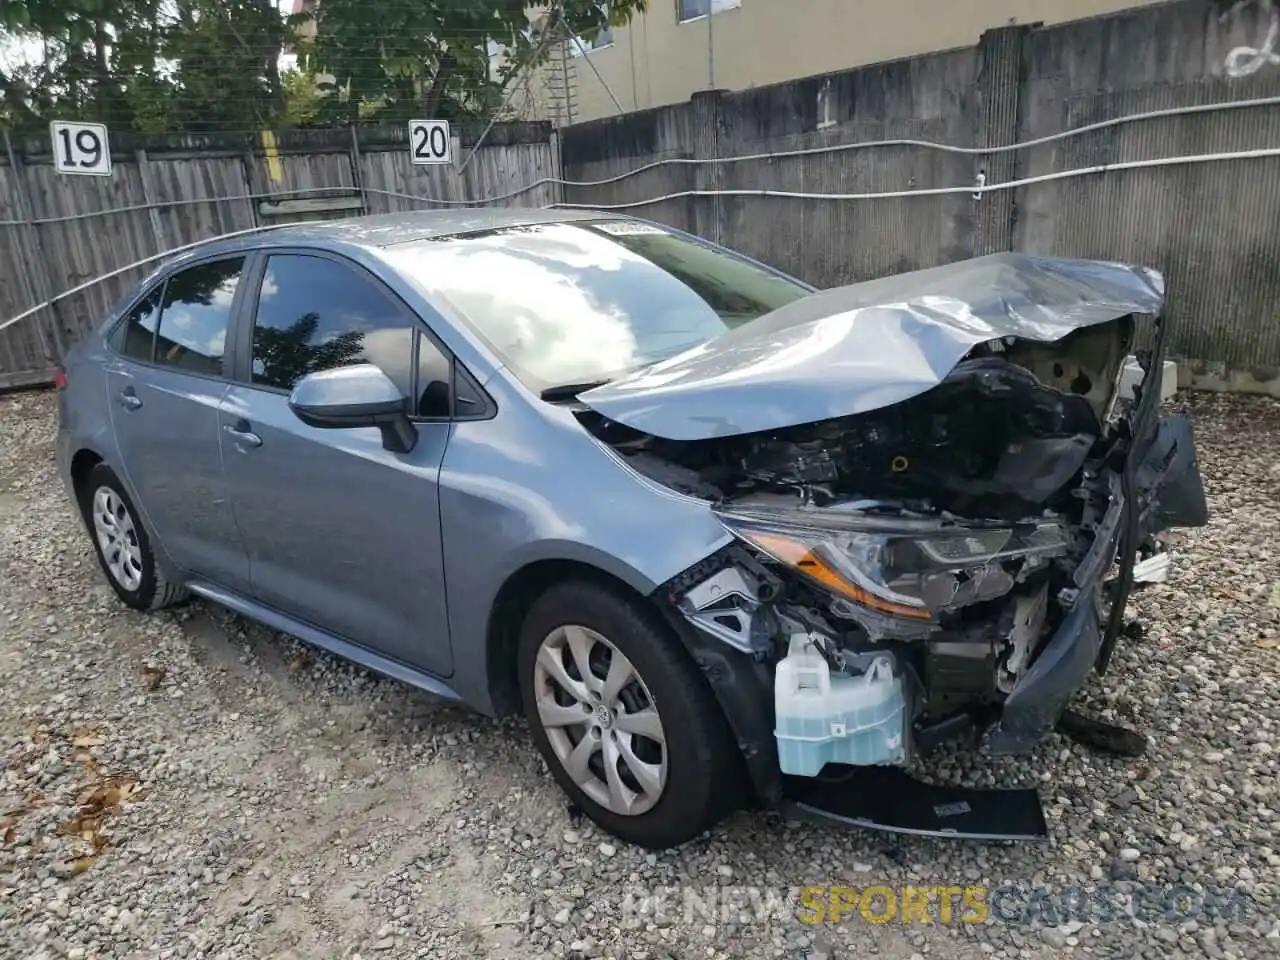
[623,718]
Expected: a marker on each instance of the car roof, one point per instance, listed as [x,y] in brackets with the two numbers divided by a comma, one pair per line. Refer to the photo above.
[387,229]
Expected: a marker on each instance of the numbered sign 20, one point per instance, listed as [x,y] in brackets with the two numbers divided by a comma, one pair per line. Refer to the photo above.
[80,148]
[429,141]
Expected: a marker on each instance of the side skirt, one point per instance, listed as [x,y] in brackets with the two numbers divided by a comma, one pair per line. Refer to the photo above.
[365,657]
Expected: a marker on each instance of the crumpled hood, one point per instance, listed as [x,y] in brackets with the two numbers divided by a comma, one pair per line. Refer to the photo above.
[869,345]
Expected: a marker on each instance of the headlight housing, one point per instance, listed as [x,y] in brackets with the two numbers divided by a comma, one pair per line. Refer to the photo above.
[906,567]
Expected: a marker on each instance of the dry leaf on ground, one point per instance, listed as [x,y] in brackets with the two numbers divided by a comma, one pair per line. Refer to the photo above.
[87,737]
[108,793]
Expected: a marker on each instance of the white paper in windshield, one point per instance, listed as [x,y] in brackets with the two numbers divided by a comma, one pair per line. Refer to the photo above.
[623,228]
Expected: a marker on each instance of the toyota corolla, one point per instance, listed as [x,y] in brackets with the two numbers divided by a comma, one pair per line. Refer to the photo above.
[722,538]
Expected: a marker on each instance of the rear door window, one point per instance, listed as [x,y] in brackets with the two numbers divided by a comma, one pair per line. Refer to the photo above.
[195,316]
[136,334]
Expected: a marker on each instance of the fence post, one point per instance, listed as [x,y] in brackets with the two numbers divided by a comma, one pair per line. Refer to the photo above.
[8,358]
[149,196]
[556,195]
[36,280]
[706,121]
[1000,77]
[249,163]
[357,170]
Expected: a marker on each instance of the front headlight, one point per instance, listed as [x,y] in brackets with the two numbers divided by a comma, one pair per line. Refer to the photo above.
[904,567]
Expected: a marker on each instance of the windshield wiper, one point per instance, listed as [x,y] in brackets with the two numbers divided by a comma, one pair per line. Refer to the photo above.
[568,391]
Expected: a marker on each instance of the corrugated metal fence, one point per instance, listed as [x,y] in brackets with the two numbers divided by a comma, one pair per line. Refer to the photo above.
[55,233]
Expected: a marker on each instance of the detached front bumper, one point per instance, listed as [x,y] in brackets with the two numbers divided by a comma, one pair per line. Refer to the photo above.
[1163,488]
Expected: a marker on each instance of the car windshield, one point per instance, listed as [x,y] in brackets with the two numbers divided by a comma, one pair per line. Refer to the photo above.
[583,302]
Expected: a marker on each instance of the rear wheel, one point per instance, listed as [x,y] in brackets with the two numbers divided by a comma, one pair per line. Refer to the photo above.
[121,542]
[623,718]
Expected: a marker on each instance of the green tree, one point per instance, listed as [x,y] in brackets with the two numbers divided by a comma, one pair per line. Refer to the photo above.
[227,64]
[395,61]
[145,64]
[302,106]
[80,59]
[187,65]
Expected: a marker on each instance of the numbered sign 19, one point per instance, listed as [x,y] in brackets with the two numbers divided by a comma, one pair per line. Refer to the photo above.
[80,148]
[429,141]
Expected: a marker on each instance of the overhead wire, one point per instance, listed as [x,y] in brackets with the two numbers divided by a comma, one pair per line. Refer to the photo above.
[740,158]
[977,190]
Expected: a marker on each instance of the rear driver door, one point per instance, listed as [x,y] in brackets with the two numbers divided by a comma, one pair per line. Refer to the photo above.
[165,382]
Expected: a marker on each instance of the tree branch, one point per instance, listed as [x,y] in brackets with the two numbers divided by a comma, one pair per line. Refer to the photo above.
[447,69]
[13,93]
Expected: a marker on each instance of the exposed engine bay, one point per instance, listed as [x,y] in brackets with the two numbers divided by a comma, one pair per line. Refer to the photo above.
[915,563]
[998,437]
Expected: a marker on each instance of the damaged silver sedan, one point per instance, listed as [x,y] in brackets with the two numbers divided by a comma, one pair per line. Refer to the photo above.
[722,538]
[938,492]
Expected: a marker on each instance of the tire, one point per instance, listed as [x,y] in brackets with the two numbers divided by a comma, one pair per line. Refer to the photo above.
[695,766]
[122,544]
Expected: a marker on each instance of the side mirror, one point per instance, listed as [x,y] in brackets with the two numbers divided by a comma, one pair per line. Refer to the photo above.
[356,396]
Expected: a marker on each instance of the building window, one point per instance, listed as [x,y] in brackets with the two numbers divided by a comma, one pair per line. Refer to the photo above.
[602,39]
[687,10]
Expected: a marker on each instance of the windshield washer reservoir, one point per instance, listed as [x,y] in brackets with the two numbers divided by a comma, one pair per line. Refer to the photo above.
[823,718]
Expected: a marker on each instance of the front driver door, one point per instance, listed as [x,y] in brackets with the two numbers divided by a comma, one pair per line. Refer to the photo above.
[341,533]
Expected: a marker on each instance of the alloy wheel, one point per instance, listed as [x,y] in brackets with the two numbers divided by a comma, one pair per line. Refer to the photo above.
[117,538]
[600,720]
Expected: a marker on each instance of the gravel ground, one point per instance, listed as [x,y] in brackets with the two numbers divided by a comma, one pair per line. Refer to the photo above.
[189,784]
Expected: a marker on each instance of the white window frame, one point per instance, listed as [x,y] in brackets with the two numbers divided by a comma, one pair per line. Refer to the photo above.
[713,7]
[583,47]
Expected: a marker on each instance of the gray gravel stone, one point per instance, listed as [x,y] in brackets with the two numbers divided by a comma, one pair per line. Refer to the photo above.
[276,802]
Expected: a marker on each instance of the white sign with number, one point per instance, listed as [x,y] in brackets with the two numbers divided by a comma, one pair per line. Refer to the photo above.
[429,141]
[80,148]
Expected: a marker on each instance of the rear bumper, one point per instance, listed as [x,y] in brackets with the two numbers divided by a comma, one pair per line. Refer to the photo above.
[63,454]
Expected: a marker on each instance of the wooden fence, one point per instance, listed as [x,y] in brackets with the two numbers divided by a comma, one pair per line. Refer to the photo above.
[59,231]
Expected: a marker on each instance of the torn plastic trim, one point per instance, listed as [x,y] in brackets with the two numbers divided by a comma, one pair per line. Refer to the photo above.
[1144,429]
[742,683]
[1042,692]
[1154,569]
[725,605]
[1160,461]
[890,800]
[1062,664]
[1171,488]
